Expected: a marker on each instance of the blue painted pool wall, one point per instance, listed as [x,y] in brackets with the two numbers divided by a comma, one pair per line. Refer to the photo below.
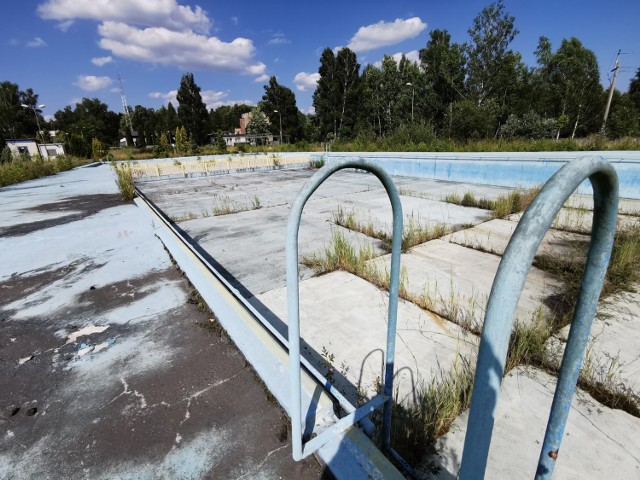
[503,169]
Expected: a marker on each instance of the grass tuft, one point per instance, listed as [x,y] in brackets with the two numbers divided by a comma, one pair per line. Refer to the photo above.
[124,180]
[501,207]
[414,232]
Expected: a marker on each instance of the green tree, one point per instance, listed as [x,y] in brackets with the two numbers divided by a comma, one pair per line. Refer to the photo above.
[144,121]
[337,97]
[258,123]
[624,119]
[443,64]
[182,141]
[192,112]
[89,119]
[15,120]
[279,102]
[574,90]
[221,145]
[98,149]
[634,90]
[162,147]
[489,60]
[468,120]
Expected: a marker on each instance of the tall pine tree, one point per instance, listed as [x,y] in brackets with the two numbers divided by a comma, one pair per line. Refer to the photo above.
[192,112]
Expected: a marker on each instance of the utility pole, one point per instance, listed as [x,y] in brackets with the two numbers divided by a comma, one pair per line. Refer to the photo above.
[611,89]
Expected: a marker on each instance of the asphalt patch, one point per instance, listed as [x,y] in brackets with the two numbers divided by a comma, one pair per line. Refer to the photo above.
[81,206]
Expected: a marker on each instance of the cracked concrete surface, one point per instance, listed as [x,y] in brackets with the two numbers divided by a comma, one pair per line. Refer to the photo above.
[106,369]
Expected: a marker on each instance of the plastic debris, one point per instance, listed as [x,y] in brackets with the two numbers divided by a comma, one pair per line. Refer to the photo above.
[24,360]
[83,351]
[88,330]
[100,347]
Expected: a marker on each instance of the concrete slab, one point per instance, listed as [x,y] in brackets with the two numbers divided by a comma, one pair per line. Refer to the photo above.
[343,319]
[494,235]
[597,443]
[627,206]
[458,281]
[579,220]
[439,189]
[613,354]
[107,368]
[374,206]
[250,244]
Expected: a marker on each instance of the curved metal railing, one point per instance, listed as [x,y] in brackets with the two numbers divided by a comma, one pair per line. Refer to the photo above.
[503,300]
[300,449]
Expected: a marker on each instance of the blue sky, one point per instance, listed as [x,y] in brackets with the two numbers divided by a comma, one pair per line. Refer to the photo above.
[69,49]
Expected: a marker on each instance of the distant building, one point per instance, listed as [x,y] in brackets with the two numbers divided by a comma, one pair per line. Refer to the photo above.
[32,148]
[241,137]
[233,139]
[244,121]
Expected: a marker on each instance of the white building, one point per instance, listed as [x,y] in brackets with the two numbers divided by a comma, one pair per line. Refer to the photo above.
[34,149]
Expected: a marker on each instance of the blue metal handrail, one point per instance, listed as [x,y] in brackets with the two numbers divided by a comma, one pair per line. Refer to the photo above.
[300,449]
[505,293]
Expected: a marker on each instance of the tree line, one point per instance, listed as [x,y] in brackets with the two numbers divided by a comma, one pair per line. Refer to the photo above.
[478,89]
[473,90]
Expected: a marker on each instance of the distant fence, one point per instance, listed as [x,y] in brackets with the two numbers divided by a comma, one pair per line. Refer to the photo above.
[507,169]
[215,166]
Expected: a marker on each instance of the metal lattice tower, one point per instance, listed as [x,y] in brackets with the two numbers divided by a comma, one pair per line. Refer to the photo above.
[125,107]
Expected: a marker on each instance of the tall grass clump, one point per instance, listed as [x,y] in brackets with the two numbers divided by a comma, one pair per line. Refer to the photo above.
[124,180]
[340,254]
[416,427]
[503,206]
[413,232]
[22,168]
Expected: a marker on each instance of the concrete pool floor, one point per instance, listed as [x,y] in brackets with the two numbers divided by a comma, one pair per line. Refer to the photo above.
[343,316]
[107,367]
[159,394]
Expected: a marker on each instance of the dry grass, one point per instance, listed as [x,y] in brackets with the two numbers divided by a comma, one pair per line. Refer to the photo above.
[124,180]
[503,206]
[414,232]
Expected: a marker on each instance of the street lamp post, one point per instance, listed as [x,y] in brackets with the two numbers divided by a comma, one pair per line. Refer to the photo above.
[35,112]
[280,114]
[413,91]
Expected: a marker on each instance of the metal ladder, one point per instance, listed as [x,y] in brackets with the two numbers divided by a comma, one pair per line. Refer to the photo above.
[500,314]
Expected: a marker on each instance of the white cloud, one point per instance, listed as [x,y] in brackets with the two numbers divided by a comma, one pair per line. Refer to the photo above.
[36,42]
[101,61]
[74,101]
[211,98]
[278,39]
[155,13]
[186,50]
[166,97]
[235,20]
[306,81]
[64,26]
[412,56]
[262,78]
[383,34]
[91,83]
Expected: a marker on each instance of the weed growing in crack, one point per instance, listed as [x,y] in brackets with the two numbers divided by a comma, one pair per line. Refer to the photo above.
[501,207]
[124,180]
[340,254]
[416,427]
[414,232]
